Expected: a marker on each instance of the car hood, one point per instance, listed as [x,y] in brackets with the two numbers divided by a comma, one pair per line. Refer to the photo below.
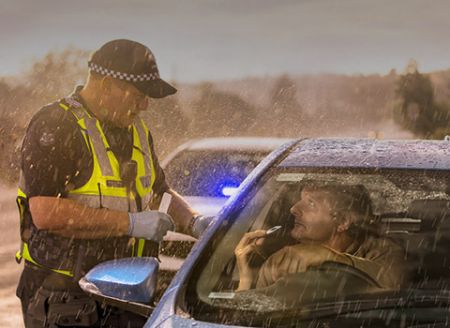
[176,321]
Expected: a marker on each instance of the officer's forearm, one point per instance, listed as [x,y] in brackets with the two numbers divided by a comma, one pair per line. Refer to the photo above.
[64,216]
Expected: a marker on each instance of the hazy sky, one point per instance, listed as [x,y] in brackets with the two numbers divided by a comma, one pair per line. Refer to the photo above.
[220,39]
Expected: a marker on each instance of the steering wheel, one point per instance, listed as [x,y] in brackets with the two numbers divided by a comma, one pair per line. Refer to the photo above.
[348,269]
[331,280]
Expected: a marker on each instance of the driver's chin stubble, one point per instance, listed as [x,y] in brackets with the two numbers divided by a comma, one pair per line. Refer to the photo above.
[298,232]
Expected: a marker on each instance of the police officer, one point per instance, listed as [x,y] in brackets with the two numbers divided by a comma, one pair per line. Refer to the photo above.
[89,183]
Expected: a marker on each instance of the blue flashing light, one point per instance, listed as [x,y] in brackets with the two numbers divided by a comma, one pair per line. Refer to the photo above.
[229,191]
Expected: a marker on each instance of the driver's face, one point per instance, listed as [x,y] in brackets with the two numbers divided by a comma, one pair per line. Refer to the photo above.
[313,219]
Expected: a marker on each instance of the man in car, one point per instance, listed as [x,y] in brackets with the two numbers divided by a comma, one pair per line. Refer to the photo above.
[89,179]
[331,225]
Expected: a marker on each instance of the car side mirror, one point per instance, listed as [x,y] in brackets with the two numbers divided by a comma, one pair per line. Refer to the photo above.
[128,283]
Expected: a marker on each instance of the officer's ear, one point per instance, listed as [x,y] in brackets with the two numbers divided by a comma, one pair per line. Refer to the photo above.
[106,84]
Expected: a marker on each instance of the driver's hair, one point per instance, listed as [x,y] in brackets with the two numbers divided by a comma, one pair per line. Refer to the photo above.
[347,201]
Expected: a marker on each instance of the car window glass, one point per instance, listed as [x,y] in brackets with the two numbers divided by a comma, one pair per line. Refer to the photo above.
[209,173]
[410,209]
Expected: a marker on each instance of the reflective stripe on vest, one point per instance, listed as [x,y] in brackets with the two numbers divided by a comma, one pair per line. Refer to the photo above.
[99,147]
[111,202]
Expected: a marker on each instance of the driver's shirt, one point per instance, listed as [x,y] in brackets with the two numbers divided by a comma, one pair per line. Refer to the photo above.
[380,258]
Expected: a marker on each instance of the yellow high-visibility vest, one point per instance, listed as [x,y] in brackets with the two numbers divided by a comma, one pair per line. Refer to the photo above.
[105,188]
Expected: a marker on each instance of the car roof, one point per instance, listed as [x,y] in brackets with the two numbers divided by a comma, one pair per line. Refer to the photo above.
[236,143]
[369,153]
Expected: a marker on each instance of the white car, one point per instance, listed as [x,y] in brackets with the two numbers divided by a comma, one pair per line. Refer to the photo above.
[206,172]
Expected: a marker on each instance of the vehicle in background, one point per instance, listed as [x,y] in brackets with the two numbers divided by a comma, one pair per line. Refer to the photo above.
[206,172]
[409,187]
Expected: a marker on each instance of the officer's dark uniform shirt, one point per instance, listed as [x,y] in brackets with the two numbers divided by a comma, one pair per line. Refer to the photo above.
[55,154]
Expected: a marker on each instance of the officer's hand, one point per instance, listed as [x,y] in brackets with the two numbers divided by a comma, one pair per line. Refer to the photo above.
[150,225]
[199,225]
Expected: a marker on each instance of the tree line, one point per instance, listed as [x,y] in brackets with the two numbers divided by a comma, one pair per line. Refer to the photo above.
[281,106]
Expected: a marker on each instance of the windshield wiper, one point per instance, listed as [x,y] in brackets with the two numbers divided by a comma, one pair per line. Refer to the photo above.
[407,299]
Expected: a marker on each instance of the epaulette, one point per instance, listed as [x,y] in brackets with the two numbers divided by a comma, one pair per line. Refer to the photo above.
[77,109]
[72,102]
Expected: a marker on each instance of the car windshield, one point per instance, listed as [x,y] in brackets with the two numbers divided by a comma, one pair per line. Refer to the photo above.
[210,173]
[396,225]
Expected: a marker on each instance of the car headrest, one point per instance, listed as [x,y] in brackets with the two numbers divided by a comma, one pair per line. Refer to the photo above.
[422,215]
[431,212]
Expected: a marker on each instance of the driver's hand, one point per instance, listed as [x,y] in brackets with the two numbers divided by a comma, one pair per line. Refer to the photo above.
[297,258]
[247,245]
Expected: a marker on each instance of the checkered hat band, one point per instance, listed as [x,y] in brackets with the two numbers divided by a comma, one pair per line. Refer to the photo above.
[122,76]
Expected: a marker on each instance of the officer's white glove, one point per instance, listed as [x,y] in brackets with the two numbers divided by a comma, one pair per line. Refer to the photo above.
[150,225]
[199,224]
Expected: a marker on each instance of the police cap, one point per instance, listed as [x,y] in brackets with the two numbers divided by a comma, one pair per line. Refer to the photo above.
[131,62]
